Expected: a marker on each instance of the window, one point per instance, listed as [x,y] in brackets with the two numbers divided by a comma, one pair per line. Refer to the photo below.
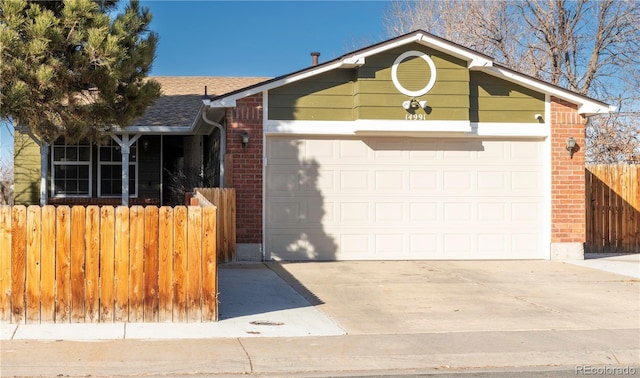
[110,170]
[71,173]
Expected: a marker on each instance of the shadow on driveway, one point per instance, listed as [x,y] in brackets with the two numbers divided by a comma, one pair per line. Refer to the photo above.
[256,288]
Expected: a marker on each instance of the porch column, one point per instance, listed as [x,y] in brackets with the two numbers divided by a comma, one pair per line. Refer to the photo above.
[125,147]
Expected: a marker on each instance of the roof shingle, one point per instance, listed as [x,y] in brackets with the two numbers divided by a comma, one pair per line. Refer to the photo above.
[182,97]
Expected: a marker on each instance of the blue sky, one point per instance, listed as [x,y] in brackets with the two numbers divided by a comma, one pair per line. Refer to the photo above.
[252,38]
[258,38]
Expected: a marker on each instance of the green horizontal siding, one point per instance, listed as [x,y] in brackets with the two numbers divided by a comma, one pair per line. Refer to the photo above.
[311,114]
[378,98]
[315,101]
[26,170]
[395,100]
[327,96]
[368,92]
[497,100]
[398,113]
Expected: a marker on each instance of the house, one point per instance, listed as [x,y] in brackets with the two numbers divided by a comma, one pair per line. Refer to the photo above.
[412,148]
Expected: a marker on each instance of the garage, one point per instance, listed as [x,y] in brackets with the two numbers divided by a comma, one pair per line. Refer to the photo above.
[414,148]
[413,198]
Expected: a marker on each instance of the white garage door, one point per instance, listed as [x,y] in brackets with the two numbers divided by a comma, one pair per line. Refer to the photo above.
[403,198]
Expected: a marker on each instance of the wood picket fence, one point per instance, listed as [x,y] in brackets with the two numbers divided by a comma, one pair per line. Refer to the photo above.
[613,208]
[108,264]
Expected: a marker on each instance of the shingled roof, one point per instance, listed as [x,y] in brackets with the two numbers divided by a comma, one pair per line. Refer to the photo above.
[181,97]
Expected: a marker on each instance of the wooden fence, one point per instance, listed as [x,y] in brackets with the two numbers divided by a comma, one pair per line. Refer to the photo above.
[613,209]
[105,264]
[225,200]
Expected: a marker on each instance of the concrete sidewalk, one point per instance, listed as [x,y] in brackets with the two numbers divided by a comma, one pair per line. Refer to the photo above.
[254,302]
[363,318]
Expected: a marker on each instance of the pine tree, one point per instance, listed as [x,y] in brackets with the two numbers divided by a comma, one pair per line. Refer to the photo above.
[67,68]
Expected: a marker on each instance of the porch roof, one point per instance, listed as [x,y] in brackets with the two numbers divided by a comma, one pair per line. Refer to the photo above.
[181,100]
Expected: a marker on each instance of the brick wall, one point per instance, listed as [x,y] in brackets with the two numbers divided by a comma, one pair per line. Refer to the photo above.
[246,166]
[567,174]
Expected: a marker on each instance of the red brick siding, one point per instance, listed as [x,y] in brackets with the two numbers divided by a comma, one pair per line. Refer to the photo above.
[247,166]
[567,174]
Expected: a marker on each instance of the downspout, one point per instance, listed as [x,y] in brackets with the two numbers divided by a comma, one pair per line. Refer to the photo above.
[223,142]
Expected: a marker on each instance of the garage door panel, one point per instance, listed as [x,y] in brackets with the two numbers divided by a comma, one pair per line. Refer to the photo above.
[423,212]
[286,212]
[320,150]
[526,152]
[457,212]
[492,212]
[526,212]
[492,244]
[391,198]
[490,182]
[354,213]
[424,245]
[356,244]
[388,180]
[493,151]
[458,181]
[526,181]
[391,213]
[354,180]
[354,150]
[286,150]
[422,182]
[389,244]
[303,246]
[284,180]
[458,245]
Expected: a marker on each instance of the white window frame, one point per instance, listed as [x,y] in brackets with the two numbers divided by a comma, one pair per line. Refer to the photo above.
[132,193]
[55,163]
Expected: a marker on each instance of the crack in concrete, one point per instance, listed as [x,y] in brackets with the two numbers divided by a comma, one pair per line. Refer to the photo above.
[246,354]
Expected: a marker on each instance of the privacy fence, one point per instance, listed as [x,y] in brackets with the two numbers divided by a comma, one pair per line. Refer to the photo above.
[224,199]
[108,264]
[613,208]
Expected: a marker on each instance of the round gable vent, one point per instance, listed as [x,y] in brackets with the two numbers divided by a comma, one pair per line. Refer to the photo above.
[427,74]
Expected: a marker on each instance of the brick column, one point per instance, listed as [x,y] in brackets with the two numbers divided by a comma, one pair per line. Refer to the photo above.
[246,174]
[567,182]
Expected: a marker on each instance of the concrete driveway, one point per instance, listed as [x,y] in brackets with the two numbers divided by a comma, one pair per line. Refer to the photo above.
[466,296]
[390,318]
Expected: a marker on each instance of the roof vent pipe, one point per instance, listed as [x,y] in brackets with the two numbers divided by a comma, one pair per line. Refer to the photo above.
[314,58]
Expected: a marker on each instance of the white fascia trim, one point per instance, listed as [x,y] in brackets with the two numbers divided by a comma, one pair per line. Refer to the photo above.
[585,106]
[353,62]
[265,117]
[473,60]
[510,129]
[229,102]
[363,126]
[402,128]
[153,130]
[547,187]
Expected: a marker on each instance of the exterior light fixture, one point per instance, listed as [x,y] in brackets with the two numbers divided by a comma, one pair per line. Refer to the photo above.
[571,146]
[413,104]
[244,139]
